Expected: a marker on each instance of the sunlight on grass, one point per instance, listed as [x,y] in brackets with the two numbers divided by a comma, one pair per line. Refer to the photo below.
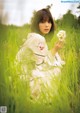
[63,93]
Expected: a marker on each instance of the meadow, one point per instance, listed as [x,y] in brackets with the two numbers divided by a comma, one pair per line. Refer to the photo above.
[15,93]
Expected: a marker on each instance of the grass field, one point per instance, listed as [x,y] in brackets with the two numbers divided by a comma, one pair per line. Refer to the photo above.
[15,93]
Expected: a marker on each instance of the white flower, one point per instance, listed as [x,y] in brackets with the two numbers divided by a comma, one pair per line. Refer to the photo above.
[61,35]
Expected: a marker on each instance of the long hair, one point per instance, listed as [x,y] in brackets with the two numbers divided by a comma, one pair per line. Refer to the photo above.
[40,16]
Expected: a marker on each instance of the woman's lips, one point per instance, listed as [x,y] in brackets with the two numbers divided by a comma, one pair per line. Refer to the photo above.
[46,29]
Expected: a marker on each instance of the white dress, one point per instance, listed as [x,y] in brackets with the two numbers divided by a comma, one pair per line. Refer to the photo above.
[47,66]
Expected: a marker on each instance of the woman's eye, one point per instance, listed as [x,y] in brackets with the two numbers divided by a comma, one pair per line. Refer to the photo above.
[49,21]
[43,21]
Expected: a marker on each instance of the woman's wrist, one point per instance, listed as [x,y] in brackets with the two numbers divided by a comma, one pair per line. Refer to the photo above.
[53,51]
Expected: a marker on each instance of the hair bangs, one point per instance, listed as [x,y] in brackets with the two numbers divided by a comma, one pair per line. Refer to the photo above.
[44,16]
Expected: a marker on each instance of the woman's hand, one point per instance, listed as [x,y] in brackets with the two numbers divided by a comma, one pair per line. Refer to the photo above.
[61,36]
[57,47]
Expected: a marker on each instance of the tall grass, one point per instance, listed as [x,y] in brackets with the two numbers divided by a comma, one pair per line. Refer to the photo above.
[15,92]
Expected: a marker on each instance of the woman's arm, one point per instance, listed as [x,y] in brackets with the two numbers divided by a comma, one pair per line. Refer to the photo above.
[57,47]
[61,36]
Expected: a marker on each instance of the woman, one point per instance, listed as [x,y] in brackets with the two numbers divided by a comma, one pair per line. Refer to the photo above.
[47,63]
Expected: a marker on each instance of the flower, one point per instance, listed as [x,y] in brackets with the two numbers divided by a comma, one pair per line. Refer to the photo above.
[41,46]
[61,35]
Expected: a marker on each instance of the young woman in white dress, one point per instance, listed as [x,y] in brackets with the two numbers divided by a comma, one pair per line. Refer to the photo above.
[47,63]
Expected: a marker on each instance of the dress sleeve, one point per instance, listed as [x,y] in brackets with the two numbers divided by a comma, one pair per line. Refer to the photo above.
[37,44]
[54,60]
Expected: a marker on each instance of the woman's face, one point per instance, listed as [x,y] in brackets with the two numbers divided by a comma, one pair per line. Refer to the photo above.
[45,27]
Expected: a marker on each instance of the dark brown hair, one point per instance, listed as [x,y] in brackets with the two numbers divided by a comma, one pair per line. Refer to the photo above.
[40,16]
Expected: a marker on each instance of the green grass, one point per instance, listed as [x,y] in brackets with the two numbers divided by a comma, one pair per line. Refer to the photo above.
[15,93]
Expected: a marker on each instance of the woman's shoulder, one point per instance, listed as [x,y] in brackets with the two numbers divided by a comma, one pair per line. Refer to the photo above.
[34,36]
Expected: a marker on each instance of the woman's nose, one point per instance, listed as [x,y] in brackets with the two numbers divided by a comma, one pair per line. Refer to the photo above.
[46,24]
